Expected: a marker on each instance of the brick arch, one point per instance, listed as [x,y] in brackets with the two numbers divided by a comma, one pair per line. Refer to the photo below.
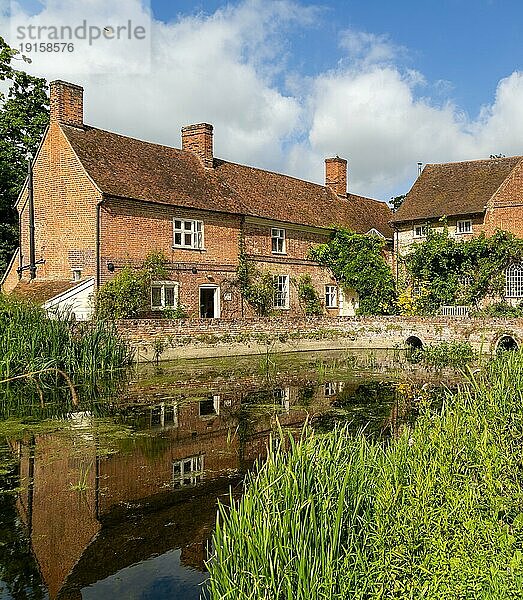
[505,341]
[414,342]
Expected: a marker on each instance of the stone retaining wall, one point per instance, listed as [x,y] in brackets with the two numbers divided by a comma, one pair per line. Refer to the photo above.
[170,339]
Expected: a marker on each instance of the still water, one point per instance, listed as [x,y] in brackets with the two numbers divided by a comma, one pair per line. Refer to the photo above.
[116,497]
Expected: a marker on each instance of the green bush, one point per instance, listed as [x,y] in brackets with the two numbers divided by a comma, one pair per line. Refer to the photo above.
[436,513]
[445,354]
[500,309]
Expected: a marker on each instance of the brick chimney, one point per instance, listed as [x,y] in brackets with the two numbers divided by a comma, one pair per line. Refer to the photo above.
[336,175]
[67,103]
[198,139]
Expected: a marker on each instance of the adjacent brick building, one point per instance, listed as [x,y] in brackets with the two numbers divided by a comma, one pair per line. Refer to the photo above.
[468,198]
[103,201]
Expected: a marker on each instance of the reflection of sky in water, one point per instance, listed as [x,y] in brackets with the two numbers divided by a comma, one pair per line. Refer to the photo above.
[162,577]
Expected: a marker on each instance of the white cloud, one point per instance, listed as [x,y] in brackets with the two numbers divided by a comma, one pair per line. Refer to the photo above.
[226,68]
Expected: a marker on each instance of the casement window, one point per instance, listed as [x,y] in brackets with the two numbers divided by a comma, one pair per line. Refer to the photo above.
[188,471]
[164,415]
[420,231]
[278,241]
[164,294]
[188,234]
[514,281]
[464,226]
[331,296]
[77,274]
[281,291]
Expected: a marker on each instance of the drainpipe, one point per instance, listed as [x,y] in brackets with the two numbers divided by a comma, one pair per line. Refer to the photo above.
[20,257]
[98,241]
[242,241]
[32,258]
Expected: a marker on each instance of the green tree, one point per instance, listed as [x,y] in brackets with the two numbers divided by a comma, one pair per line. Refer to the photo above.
[24,115]
[357,262]
[397,201]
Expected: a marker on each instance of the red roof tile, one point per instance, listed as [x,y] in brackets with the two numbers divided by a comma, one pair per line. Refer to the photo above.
[459,188]
[39,291]
[123,166]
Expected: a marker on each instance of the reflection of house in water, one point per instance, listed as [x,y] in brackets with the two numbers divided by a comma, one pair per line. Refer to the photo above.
[91,513]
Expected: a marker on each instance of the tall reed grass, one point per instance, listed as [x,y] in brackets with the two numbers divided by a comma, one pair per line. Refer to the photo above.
[436,513]
[31,342]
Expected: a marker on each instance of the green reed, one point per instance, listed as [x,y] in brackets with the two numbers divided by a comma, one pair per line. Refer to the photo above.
[31,342]
[435,513]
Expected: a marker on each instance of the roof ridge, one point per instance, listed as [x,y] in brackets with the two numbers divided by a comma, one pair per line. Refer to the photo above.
[475,160]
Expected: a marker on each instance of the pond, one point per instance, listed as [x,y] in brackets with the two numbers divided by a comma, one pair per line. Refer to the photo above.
[117,497]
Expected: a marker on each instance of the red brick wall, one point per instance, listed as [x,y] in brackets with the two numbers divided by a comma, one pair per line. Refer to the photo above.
[65,212]
[505,209]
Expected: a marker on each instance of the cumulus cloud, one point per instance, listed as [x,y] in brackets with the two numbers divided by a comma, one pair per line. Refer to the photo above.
[230,68]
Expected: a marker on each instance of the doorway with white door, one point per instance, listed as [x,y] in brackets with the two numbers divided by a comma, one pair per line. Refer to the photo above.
[209,302]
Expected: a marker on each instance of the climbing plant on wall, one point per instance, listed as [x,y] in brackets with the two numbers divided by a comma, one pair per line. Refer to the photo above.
[129,292]
[451,271]
[256,287]
[308,296]
[357,262]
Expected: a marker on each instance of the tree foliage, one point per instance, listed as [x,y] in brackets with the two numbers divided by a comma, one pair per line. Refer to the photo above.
[357,262]
[453,271]
[24,115]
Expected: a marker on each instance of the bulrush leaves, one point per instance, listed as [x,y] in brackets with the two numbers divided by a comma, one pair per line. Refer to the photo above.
[435,513]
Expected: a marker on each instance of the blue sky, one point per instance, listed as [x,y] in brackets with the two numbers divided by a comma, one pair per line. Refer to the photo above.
[471,44]
[287,83]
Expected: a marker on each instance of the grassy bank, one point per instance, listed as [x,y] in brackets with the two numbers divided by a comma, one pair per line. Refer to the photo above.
[30,342]
[436,513]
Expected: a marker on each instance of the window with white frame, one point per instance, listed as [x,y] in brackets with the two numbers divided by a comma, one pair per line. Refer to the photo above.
[281,291]
[420,231]
[464,226]
[188,234]
[188,471]
[164,294]
[278,241]
[331,296]
[282,398]
[514,281]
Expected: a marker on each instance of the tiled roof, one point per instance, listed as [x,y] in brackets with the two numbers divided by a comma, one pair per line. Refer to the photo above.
[454,188]
[130,168]
[40,291]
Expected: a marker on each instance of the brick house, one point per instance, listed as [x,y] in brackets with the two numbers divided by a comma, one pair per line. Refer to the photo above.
[471,197]
[103,201]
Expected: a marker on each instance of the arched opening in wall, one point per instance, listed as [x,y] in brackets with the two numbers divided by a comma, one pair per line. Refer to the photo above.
[506,343]
[413,343]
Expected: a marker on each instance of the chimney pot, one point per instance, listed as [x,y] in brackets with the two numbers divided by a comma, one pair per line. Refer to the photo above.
[336,175]
[66,103]
[199,140]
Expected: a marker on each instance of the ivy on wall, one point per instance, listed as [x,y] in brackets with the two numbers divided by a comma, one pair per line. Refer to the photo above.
[256,287]
[357,262]
[308,296]
[444,270]
[129,292]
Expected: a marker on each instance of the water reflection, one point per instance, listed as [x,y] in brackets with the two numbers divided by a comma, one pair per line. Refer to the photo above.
[125,507]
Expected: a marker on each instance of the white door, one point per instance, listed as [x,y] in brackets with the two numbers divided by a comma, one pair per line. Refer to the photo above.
[349,302]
